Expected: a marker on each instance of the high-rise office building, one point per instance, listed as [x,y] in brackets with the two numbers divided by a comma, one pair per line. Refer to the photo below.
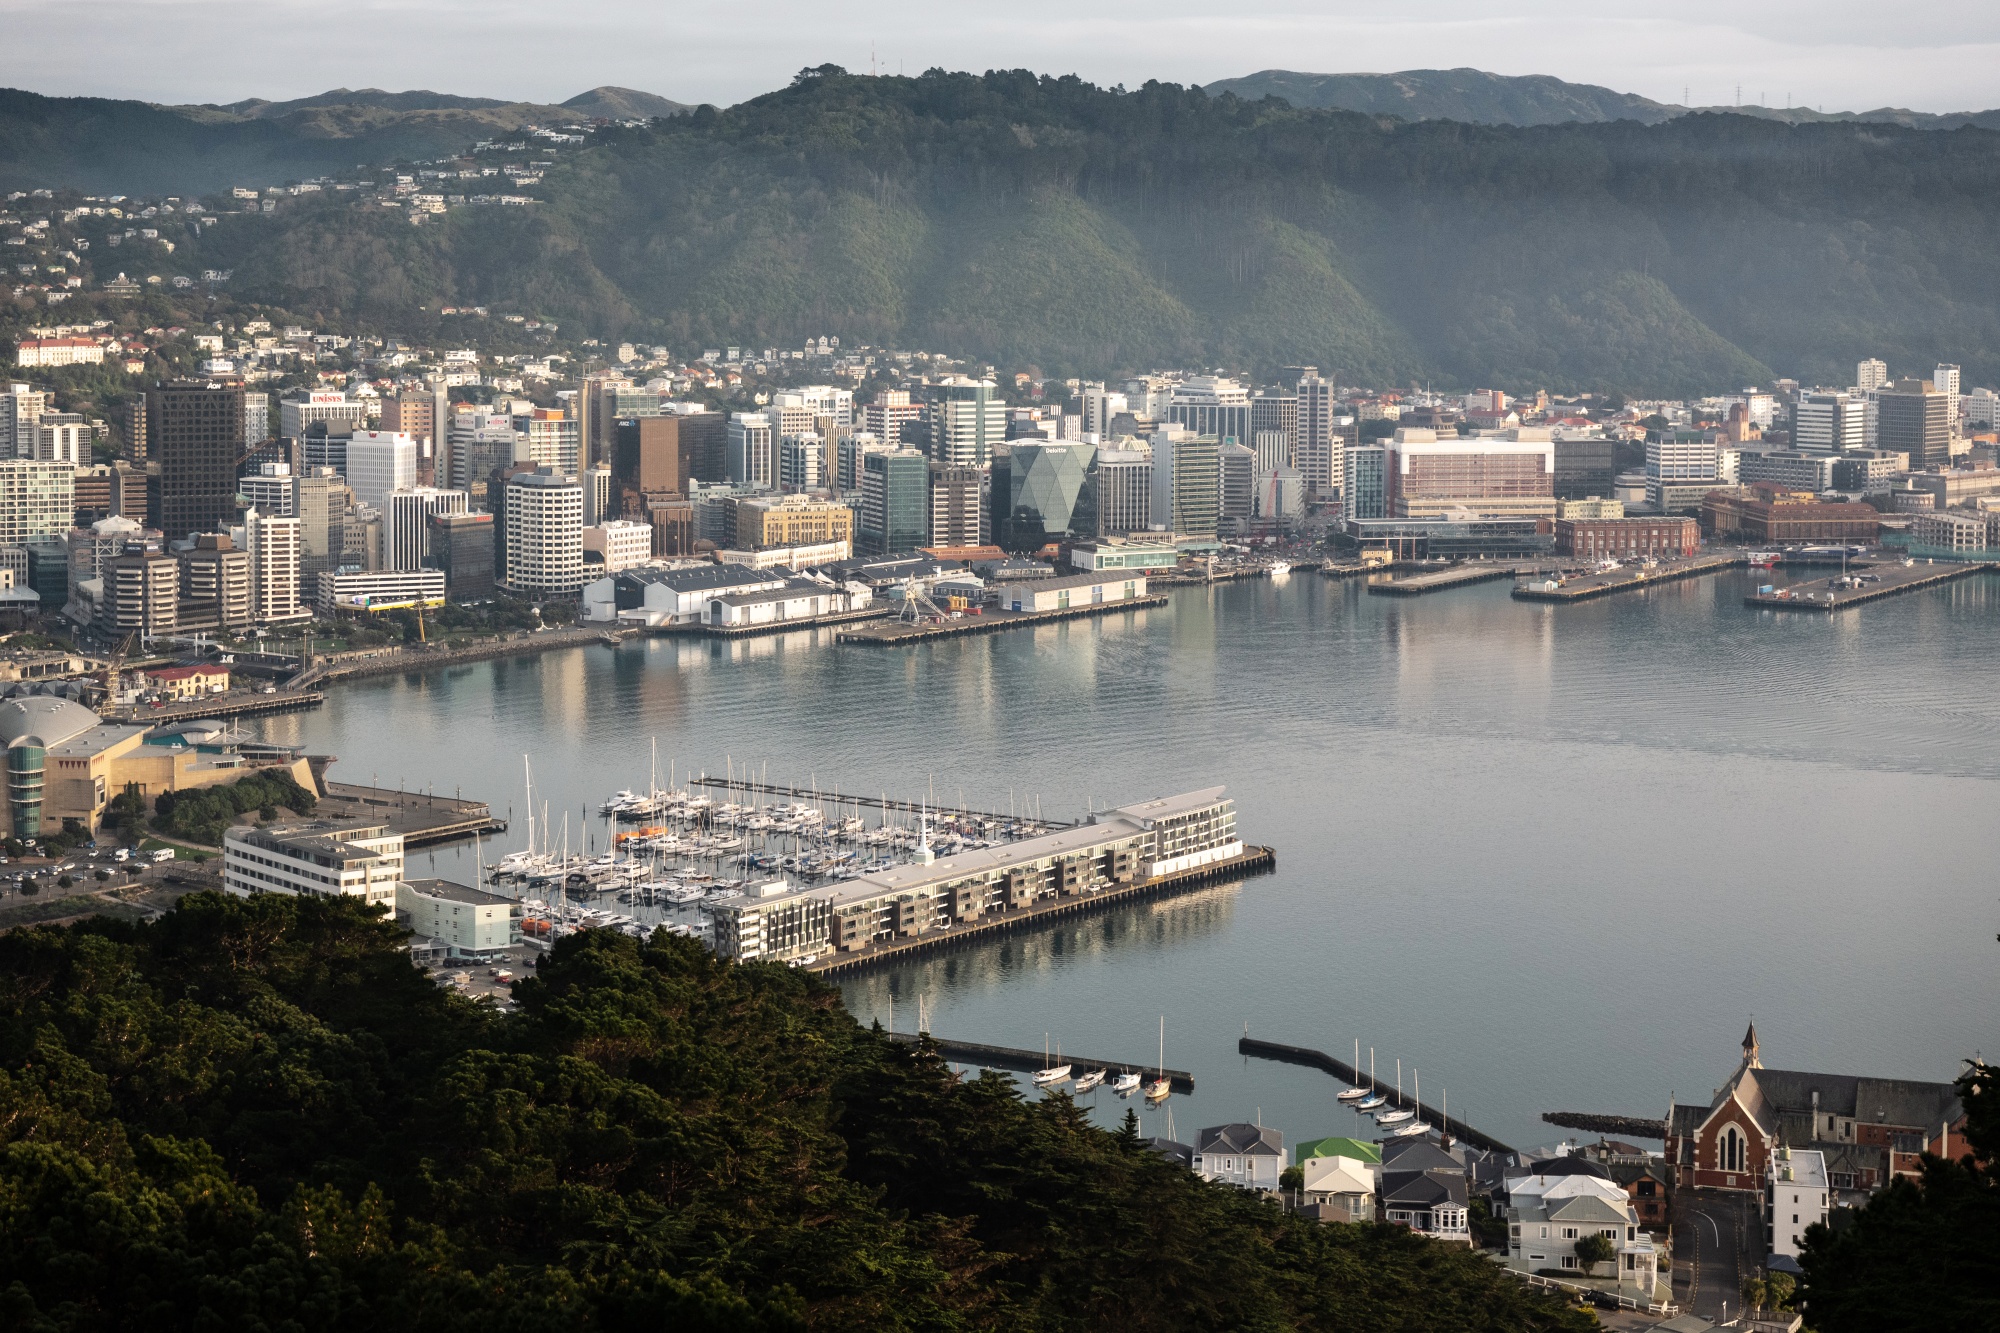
[892,418]
[462,546]
[480,442]
[554,439]
[1187,482]
[273,543]
[135,430]
[1365,487]
[895,502]
[57,437]
[968,418]
[1946,380]
[380,463]
[959,506]
[1482,476]
[256,418]
[142,591]
[752,458]
[415,414]
[406,524]
[1050,494]
[270,490]
[1319,445]
[329,406]
[1100,406]
[1871,374]
[851,450]
[653,456]
[544,534]
[1586,466]
[322,507]
[1237,472]
[1212,405]
[1124,484]
[800,462]
[215,585]
[1911,418]
[36,500]
[1274,411]
[1830,423]
[195,431]
[20,408]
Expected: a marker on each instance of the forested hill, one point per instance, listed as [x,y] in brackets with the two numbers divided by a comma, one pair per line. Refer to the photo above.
[1042,221]
[256,1115]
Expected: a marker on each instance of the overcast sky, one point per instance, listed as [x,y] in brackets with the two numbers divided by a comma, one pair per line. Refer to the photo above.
[1842,54]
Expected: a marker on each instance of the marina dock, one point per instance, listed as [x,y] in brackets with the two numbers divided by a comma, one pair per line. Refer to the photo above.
[1253,860]
[1030,1062]
[423,820]
[821,797]
[1627,579]
[1457,576]
[1340,1069]
[897,634]
[1880,581]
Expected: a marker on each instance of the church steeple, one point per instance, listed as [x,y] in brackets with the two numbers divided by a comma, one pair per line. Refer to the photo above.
[1750,1060]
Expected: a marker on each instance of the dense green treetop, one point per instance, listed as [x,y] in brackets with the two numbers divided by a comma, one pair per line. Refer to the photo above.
[255,1114]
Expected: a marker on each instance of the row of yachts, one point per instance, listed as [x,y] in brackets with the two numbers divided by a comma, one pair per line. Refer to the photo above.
[1398,1121]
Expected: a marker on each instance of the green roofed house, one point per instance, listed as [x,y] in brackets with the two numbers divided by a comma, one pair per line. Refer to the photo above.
[1337,1147]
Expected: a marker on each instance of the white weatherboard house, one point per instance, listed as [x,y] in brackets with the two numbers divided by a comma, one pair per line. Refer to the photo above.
[1247,1156]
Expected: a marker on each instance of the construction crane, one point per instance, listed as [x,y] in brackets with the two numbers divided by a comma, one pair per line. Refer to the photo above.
[117,664]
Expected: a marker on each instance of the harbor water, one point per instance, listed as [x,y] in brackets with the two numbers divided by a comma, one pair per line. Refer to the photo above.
[1549,857]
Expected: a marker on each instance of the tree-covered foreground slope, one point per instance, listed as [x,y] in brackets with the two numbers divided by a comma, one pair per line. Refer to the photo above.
[1040,221]
[256,1115]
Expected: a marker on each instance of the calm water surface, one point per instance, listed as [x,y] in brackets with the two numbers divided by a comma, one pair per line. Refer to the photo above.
[1549,857]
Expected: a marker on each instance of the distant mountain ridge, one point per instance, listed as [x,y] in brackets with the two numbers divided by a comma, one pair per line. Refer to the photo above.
[1478,97]
[102,144]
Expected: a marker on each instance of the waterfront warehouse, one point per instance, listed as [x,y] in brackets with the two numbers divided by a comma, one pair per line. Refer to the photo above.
[1117,848]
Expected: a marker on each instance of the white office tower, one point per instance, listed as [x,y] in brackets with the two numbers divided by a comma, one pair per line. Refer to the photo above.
[333,407]
[58,437]
[271,490]
[1100,405]
[750,456]
[380,463]
[1830,423]
[544,534]
[1946,380]
[1321,456]
[818,400]
[273,543]
[256,419]
[1982,408]
[408,523]
[853,449]
[1871,374]
[20,408]
[800,461]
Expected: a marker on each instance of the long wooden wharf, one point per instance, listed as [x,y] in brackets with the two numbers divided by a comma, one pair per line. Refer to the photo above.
[1030,1062]
[1340,1069]
[897,634]
[820,796]
[1885,581]
[1458,576]
[1630,578]
[227,705]
[1253,860]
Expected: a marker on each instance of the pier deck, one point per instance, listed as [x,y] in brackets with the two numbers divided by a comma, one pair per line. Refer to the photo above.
[228,705]
[896,634]
[1252,861]
[1587,586]
[1823,595]
[1340,1069]
[820,796]
[1458,576]
[1030,1062]
[423,820]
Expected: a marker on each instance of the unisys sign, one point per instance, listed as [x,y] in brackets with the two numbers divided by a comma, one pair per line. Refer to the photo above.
[322,397]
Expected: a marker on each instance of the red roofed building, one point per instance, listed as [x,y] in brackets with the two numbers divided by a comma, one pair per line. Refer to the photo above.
[188,682]
[59,352]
